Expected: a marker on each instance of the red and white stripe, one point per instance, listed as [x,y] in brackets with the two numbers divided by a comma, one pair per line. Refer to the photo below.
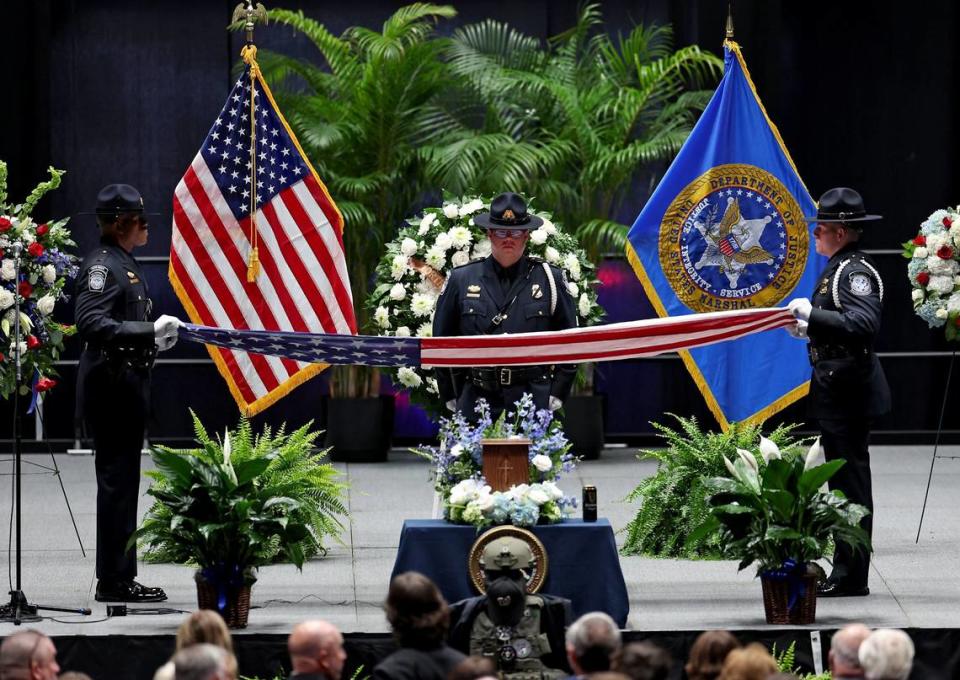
[302,285]
[600,343]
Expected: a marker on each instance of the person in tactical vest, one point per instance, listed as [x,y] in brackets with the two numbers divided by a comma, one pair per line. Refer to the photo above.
[113,381]
[523,634]
[506,292]
[848,388]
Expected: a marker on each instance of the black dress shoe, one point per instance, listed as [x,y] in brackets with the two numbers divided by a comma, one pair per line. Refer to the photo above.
[839,589]
[128,591]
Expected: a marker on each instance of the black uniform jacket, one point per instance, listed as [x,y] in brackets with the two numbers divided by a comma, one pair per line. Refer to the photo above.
[847,378]
[112,311]
[472,297]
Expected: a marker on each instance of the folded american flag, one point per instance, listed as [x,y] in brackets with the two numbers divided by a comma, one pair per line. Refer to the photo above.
[609,342]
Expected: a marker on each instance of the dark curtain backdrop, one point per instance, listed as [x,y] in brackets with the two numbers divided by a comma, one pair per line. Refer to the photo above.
[863,96]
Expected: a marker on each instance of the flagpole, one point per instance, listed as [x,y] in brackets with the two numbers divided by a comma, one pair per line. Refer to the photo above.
[251,15]
[730,21]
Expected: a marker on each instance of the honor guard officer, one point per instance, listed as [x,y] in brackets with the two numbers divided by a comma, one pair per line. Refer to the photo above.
[506,292]
[848,388]
[521,633]
[113,382]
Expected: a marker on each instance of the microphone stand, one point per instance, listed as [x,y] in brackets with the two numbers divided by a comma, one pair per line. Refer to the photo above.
[19,608]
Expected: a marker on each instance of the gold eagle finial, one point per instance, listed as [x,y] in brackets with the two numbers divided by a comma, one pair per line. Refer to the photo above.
[250,15]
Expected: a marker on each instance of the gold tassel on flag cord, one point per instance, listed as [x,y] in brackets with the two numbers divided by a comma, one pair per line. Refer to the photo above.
[249,55]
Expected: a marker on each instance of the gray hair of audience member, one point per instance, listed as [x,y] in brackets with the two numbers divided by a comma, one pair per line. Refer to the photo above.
[644,661]
[593,639]
[845,647]
[887,654]
[202,661]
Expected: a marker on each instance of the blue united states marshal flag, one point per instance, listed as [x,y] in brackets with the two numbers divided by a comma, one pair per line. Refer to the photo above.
[725,230]
[301,282]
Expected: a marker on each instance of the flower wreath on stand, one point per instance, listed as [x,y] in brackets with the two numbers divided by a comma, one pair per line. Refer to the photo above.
[458,473]
[934,271]
[411,274]
[44,271]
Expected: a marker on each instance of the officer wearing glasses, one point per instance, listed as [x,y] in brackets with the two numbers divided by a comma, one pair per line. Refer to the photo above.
[506,292]
[113,308]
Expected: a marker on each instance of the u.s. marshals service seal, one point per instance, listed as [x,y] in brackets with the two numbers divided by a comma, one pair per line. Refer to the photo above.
[733,238]
[97,278]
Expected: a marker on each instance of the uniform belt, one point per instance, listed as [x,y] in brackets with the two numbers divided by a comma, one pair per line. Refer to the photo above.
[822,352]
[494,377]
[133,356]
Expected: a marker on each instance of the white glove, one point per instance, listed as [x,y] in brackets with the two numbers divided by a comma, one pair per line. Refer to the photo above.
[554,403]
[800,308]
[165,331]
[452,405]
[798,329]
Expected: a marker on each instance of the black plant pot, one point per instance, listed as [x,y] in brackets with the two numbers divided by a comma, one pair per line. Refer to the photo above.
[583,424]
[359,430]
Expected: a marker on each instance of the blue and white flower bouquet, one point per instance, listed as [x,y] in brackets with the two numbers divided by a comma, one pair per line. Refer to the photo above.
[458,472]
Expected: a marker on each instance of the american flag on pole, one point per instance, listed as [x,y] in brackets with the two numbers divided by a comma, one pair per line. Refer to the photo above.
[610,342]
[292,250]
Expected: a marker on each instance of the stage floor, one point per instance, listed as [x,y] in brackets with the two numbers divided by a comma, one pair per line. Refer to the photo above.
[913,585]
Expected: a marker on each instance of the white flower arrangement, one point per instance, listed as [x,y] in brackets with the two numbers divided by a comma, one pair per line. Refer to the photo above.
[418,259]
[934,271]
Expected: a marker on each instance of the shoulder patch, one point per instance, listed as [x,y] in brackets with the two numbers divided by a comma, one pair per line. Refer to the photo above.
[96,278]
[860,283]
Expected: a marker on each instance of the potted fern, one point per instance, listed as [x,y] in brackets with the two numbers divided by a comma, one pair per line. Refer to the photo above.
[233,505]
[772,510]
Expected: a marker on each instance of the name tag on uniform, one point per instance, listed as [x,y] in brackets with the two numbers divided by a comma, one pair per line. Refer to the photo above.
[133,277]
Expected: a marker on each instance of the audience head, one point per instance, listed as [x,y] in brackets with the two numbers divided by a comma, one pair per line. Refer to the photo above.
[74,675]
[752,662]
[201,661]
[316,647]
[708,653]
[644,661]
[204,625]
[843,659]
[474,668]
[887,654]
[592,641]
[417,611]
[28,655]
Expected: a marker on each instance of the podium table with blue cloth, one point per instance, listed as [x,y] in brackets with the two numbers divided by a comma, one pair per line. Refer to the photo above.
[582,562]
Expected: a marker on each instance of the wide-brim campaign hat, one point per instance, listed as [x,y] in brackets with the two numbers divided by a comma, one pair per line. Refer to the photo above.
[507,211]
[114,200]
[842,204]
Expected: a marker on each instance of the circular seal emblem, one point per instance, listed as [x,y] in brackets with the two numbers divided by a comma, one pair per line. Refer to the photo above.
[733,238]
[538,569]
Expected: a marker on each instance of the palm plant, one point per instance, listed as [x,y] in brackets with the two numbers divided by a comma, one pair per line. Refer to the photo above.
[242,502]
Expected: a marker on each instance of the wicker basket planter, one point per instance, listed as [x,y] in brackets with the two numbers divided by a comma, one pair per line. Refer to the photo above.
[777,598]
[237,609]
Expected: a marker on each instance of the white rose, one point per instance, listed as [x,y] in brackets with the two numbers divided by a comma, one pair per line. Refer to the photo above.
[382,317]
[542,462]
[402,332]
[426,223]
[584,305]
[460,237]
[920,253]
[484,501]
[552,489]
[443,242]
[538,236]
[941,313]
[548,226]
[519,492]
[409,377]
[538,495]
[23,348]
[398,267]
[451,211]
[573,289]
[552,255]
[8,270]
[436,257]
[49,274]
[572,265]
[408,247]
[917,295]
[471,207]
[461,257]
[422,305]
[482,249]
[398,292]
[45,304]
[456,450]
[425,330]
[27,236]
[6,298]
